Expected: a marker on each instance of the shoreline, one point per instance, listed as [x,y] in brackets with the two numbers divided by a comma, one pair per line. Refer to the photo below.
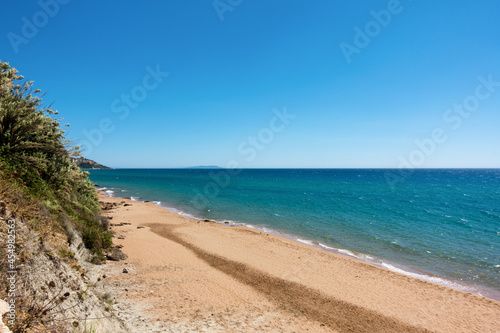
[192,270]
[396,267]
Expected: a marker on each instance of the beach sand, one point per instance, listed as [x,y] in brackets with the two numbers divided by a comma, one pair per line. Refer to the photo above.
[193,276]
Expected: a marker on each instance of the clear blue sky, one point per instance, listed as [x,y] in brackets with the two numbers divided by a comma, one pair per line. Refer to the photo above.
[364,80]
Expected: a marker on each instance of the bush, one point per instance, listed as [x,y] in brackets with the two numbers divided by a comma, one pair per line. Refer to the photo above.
[96,239]
[36,158]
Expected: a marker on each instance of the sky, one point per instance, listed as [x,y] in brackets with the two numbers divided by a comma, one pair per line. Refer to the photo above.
[266,84]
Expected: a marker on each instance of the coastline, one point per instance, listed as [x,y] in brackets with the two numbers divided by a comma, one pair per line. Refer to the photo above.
[193,272]
[393,266]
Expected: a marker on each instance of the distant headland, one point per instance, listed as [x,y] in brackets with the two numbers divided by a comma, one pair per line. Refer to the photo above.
[84,163]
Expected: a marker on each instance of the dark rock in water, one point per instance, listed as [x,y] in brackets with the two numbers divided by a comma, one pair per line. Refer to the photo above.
[116,255]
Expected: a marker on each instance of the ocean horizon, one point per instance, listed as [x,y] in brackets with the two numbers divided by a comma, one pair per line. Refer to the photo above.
[440,225]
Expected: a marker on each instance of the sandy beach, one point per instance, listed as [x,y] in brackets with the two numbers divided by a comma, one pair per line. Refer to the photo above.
[184,275]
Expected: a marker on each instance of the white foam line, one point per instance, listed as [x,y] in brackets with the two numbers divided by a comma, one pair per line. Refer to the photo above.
[378,262]
[109,193]
[304,241]
[429,278]
[349,253]
[326,246]
[176,211]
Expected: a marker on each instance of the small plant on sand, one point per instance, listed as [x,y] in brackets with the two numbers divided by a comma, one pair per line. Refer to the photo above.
[37,313]
[90,328]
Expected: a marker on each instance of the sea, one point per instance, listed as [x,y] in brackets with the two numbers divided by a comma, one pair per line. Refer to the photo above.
[440,225]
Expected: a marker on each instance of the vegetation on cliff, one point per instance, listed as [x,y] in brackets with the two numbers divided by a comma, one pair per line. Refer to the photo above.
[52,205]
[36,158]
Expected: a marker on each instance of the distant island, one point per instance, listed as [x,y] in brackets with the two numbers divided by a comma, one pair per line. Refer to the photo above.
[205,167]
[84,163]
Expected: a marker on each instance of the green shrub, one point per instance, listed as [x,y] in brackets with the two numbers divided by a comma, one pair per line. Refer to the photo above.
[36,158]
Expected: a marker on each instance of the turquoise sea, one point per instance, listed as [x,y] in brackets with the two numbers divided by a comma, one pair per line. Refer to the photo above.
[442,225]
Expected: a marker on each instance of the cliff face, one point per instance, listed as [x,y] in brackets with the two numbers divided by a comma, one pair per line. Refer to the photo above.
[52,291]
[84,163]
